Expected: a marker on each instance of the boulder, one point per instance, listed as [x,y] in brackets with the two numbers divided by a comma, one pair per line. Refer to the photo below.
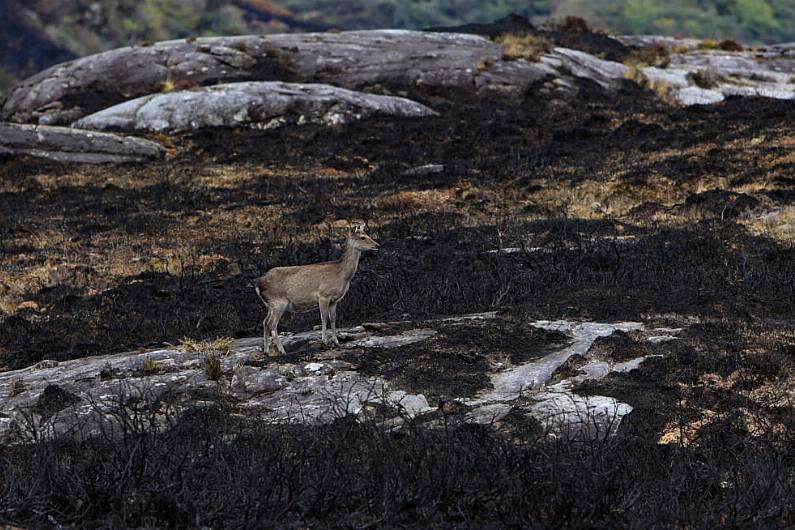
[645,41]
[581,64]
[326,367]
[754,74]
[694,95]
[353,59]
[248,379]
[264,104]
[70,145]
[767,67]
[424,170]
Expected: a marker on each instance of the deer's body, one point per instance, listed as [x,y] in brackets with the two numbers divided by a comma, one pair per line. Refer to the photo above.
[307,287]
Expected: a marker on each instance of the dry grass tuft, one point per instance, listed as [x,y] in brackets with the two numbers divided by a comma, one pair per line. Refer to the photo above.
[222,345]
[779,224]
[658,55]
[212,367]
[167,85]
[663,90]
[483,64]
[150,366]
[527,47]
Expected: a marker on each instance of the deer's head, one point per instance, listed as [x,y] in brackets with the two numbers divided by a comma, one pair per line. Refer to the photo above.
[359,239]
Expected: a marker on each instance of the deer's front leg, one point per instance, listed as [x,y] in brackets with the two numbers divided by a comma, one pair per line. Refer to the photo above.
[324,304]
[332,316]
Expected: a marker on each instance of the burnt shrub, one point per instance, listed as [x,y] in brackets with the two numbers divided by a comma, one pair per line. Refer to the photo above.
[210,468]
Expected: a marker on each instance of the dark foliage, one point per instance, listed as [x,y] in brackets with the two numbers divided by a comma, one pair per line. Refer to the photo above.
[211,469]
[571,32]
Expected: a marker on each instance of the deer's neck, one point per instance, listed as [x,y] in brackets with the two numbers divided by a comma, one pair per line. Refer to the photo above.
[349,262]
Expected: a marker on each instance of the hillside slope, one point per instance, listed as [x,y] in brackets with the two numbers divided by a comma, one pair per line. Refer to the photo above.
[38,34]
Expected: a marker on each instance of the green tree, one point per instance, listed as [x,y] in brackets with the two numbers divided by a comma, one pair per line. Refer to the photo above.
[640,14]
[757,16]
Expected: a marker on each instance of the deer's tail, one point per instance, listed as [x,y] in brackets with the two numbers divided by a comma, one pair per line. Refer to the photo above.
[256,288]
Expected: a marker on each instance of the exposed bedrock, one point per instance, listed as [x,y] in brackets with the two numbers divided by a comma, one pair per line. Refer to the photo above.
[66,92]
[256,104]
[396,59]
[84,392]
[71,145]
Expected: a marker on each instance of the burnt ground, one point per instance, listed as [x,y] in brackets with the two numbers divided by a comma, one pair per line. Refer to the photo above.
[623,208]
[456,362]
[570,32]
[634,211]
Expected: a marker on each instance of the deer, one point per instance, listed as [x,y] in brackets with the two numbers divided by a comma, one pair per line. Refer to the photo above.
[302,288]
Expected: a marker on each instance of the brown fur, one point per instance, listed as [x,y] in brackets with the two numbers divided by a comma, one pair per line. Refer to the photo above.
[305,287]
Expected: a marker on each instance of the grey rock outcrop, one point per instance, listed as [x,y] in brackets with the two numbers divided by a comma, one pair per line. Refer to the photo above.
[81,398]
[643,41]
[424,170]
[693,95]
[585,65]
[248,379]
[70,145]
[770,65]
[66,92]
[395,59]
[255,104]
[767,71]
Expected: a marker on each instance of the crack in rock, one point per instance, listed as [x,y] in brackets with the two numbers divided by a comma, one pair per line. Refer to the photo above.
[557,408]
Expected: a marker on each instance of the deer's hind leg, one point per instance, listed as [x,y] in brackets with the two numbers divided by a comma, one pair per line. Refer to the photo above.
[324,307]
[275,311]
[266,342]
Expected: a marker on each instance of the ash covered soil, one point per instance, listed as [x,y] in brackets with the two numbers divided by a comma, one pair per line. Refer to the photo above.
[604,207]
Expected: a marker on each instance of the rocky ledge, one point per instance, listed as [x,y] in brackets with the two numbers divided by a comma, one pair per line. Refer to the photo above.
[64,93]
[264,105]
[691,70]
[71,145]
[77,398]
